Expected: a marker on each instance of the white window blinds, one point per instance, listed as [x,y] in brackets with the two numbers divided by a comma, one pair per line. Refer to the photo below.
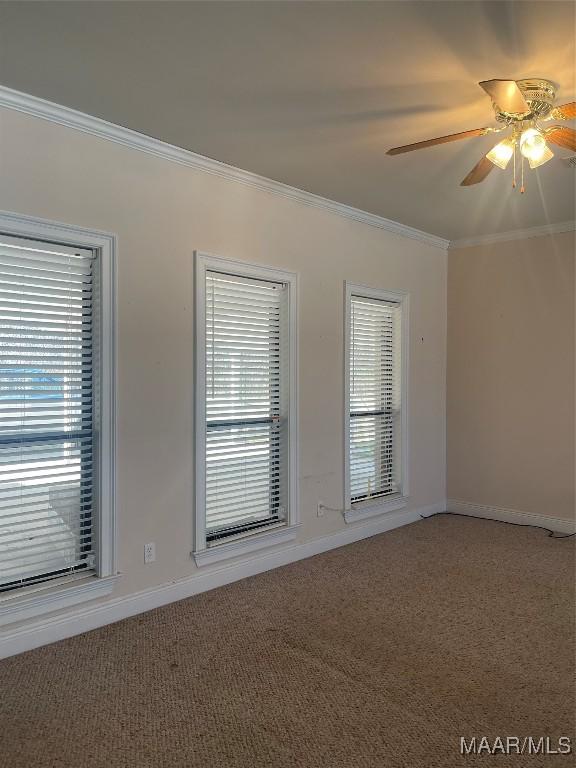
[245,423]
[46,404]
[375,327]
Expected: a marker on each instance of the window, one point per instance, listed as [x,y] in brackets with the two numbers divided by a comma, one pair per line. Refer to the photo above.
[55,492]
[376,470]
[245,404]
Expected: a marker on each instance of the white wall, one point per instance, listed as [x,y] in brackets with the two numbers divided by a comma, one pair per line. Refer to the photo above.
[161,212]
[511,337]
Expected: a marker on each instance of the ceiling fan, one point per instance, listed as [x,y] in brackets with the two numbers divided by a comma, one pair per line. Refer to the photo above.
[522,107]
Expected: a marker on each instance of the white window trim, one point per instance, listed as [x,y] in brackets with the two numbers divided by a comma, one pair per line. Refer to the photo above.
[202,553]
[373,508]
[45,597]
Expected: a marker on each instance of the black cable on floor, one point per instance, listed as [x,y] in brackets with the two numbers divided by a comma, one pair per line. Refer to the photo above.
[551,534]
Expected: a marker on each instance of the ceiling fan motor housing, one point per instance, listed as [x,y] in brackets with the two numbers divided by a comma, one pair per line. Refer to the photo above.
[539,94]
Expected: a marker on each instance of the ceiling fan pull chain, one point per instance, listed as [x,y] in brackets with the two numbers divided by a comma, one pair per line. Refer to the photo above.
[514,179]
[522,187]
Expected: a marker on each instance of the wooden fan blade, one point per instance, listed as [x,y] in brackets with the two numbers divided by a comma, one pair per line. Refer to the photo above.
[439,140]
[506,95]
[567,111]
[478,173]
[564,137]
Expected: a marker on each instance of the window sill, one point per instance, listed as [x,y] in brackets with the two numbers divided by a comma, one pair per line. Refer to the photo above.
[36,601]
[367,509]
[241,546]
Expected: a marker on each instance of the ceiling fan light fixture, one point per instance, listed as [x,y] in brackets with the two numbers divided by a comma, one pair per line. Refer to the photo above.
[520,108]
[501,154]
[532,144]
[544,157]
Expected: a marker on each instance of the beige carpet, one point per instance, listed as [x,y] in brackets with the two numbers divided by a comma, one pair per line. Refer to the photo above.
[377,655]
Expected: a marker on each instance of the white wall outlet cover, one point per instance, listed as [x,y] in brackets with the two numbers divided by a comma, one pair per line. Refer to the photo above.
[149,552]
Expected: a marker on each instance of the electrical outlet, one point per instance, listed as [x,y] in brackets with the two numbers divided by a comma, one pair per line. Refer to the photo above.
[320,509]
[149,552]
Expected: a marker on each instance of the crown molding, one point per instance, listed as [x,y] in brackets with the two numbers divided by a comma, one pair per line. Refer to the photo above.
[515,234]
[95,126]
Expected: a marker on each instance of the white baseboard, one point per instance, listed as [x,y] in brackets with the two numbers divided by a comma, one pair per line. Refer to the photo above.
[510,516]
[75,622]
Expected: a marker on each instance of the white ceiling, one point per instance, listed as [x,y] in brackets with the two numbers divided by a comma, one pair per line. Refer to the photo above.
[314,93]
